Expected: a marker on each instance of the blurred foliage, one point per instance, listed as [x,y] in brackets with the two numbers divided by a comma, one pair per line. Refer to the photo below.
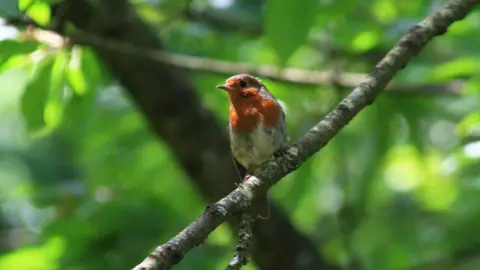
[84,184]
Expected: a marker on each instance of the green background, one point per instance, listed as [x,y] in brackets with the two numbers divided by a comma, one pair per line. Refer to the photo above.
[86,184]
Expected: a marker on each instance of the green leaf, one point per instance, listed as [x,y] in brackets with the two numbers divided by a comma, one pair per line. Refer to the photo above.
[287,25]
[9,8]
[25,4]
[385,10]
[39,11]
[457,68]
[365,41]
[36,94]
[10,48]
[75,72]
[84,72]
[16,61]
[54,107]
[41,257]
[43,100]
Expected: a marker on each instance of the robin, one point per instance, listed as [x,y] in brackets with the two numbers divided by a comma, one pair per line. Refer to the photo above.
[256,129]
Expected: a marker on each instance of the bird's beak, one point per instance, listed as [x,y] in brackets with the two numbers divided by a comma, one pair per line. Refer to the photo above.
[225,87]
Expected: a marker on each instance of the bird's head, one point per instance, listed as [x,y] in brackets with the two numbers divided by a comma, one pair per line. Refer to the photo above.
[249,100]
[243,87]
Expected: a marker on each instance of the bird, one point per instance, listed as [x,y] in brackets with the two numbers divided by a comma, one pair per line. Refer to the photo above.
[256,130]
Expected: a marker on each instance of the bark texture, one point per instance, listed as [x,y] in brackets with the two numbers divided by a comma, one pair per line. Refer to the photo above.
[396,59]
[174,111]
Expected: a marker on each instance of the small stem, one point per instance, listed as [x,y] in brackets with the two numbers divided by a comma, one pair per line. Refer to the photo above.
[244,243]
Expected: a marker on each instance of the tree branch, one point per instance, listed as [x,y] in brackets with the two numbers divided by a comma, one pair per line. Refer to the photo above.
[244,243]
[173,110]
[287,75]
[293,75]
[271,172]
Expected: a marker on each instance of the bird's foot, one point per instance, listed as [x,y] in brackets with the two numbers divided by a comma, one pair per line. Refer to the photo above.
[239,185]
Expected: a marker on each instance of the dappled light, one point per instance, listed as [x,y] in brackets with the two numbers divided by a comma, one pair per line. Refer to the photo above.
[113,135]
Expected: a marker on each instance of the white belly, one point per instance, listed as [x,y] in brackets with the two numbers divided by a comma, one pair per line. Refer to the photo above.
[255,148]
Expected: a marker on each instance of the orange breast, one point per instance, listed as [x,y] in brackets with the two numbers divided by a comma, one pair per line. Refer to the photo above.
[244,118]
[245,114]
[271,112]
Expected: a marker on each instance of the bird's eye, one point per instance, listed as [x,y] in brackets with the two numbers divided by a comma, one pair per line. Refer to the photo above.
[243,83]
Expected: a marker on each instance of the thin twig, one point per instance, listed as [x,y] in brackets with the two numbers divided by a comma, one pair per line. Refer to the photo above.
[288,75]
[244,243]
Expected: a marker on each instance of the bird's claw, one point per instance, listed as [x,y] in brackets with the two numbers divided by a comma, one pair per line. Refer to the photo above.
[239,185]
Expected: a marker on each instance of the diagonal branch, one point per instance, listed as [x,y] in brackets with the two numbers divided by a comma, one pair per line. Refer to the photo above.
[173,110]
[409,46]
